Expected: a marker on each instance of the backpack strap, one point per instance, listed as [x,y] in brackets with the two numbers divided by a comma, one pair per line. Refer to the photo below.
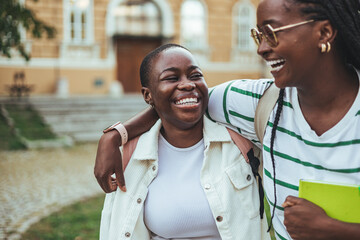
[128,150]
[265,106]
[242,143]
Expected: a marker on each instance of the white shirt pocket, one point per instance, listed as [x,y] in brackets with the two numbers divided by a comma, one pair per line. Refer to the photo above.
[245,187]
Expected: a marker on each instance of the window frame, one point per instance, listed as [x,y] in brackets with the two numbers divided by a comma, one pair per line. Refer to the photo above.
[201,43]
[238,21]
[125,25]
[81,30]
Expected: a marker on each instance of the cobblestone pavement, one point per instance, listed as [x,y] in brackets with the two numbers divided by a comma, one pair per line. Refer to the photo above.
[35,183]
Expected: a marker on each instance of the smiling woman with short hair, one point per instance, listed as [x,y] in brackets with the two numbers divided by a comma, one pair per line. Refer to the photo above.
[186,179]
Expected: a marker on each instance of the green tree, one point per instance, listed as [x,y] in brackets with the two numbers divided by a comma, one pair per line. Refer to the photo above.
[13,15]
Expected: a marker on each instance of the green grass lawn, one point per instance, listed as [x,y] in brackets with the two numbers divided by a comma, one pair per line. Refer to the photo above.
[7,139]
[80,221]
[28,121]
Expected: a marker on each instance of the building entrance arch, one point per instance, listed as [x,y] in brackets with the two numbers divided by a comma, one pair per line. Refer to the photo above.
[134,28]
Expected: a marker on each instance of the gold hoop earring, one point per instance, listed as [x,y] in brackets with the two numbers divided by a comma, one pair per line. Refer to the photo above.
[328,47]
[323,47]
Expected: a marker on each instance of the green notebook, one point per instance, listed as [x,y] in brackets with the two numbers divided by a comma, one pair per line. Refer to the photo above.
[340,201]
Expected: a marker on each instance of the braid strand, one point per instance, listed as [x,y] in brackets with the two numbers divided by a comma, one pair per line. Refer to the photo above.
[272,140]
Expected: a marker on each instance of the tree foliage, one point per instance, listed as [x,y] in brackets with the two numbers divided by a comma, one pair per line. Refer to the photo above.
[13,16]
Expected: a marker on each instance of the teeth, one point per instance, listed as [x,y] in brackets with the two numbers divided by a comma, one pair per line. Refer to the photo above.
[273,62]
[276,65]
[187,101]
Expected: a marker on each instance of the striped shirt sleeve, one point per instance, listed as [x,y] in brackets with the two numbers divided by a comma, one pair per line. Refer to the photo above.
[233,104]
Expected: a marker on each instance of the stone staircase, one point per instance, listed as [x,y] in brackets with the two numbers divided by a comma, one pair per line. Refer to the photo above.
[84,118]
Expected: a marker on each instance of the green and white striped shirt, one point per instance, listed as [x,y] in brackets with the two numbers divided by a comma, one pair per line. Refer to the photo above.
[299,152]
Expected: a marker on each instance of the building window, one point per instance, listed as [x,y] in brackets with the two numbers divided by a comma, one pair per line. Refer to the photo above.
[79,24]
[244,20]
[138,18]
[193,24]
[79,41]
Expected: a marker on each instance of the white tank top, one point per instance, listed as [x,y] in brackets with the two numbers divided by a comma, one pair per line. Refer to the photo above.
[176,205]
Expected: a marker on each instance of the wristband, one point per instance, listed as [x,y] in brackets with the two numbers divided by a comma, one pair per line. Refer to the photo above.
[121,129]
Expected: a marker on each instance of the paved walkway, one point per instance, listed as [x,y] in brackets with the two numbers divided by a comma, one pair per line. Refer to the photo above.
[35,183]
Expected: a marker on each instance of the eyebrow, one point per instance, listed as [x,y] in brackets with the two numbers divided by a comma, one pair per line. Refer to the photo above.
[192,67]
[270,21]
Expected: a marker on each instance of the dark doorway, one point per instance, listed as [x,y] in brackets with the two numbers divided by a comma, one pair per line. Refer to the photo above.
[130,52]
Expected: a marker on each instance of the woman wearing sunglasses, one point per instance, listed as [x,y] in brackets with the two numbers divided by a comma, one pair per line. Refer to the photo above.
[313,50]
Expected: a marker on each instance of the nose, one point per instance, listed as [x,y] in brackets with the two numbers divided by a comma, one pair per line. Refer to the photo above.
[263,48]
[186,84]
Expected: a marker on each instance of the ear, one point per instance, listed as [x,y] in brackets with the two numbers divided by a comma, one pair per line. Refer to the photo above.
[147,95]
[327,32]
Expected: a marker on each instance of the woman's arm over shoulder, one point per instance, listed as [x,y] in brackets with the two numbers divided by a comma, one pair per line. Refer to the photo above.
[234,103]
[108,156]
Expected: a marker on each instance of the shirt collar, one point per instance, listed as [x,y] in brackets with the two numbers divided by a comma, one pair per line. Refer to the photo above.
[147,146]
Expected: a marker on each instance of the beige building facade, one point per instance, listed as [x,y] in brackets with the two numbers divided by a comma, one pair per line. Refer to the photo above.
[100,43]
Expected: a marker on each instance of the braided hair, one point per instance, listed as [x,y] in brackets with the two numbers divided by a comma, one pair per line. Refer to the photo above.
[280,101]
[146,64]
[344,15]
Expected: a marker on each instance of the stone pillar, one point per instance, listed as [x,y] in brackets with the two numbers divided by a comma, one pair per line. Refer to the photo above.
[62,88]
[116,89]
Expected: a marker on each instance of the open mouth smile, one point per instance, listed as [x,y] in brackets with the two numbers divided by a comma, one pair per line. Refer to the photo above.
[276,65]
[187,101]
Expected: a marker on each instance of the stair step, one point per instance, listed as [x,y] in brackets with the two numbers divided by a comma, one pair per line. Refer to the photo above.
[84,118]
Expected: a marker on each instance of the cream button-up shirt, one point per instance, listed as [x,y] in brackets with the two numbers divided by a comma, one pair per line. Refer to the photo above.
[227,179]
